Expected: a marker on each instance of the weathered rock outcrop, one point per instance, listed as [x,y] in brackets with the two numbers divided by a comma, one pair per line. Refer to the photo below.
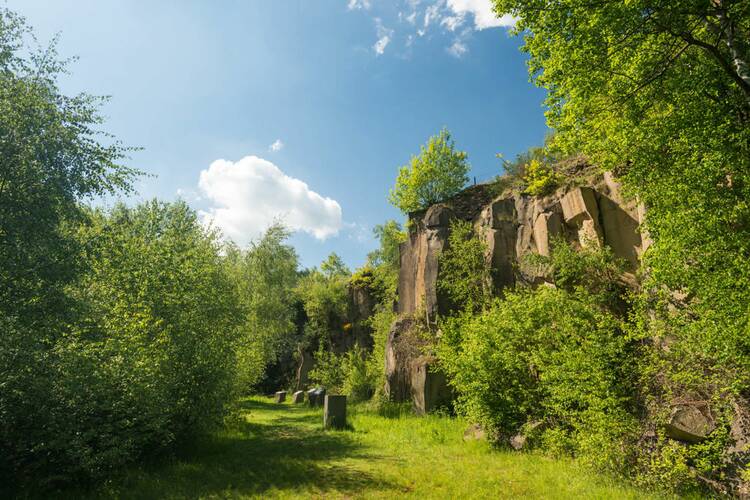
[516,225]
[513,225]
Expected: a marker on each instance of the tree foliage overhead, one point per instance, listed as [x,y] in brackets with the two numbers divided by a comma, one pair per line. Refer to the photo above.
[438,172]
[659,92]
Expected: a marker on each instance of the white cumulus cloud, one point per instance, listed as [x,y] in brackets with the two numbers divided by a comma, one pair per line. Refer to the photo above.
[484,16]
[277,145]
[250,194]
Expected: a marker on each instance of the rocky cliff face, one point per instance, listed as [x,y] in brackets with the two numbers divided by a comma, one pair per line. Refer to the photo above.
[514,225]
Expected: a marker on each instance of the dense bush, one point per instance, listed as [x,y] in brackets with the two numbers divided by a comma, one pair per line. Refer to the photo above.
[552,363]
[550,359]
[147,358]
[380,323]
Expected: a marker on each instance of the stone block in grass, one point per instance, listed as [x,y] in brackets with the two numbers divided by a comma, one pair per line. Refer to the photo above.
[298,397]
[315,396]
[334,412]
[280,396]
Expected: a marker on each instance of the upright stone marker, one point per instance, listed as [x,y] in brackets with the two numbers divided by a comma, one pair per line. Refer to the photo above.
[298,397]
[280,396]
[320,394]
[334,412]
[311,397]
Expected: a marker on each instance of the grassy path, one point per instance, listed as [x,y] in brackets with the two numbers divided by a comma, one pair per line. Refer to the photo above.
[280,451]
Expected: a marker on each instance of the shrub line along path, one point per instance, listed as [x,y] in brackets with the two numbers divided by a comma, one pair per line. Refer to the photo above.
[281,451]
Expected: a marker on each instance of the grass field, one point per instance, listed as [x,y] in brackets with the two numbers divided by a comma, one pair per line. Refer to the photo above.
[281,451]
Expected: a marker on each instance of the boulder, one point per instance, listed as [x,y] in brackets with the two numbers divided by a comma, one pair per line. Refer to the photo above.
[311,397]
[438,216]
[579,204]
[687,423]
[334,412]
[298,397]
[621,231]
[518,442]
[429,386]
[280,396]
[581,210]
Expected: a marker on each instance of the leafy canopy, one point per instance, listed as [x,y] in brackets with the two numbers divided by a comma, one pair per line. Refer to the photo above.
[659,92]
[436,174]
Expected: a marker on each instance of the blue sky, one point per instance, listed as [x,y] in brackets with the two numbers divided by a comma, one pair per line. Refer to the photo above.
[349,88]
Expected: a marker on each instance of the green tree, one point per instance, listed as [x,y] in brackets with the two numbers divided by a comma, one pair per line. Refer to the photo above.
[383,264]
[390,235]
[324,296]
[265,276]
[436,174]
[333,266]
[53,155]
[146,359]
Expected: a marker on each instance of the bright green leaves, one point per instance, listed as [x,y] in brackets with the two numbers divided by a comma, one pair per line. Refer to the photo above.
[464,270]
[540,178]
[436,174]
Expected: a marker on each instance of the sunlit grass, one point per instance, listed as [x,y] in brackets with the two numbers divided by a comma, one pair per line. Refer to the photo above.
[281,451]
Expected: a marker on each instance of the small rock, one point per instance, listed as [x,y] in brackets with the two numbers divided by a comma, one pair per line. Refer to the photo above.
[298,397]
[280,396]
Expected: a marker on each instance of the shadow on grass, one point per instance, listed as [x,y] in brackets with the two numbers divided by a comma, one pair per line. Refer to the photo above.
[285,452]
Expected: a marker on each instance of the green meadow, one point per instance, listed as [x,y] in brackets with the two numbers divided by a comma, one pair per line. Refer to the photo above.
[281,451]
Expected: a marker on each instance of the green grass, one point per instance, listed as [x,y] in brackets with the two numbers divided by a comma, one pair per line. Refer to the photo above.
[281,451]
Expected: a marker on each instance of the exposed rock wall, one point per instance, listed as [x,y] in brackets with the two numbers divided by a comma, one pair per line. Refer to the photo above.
[513,225]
